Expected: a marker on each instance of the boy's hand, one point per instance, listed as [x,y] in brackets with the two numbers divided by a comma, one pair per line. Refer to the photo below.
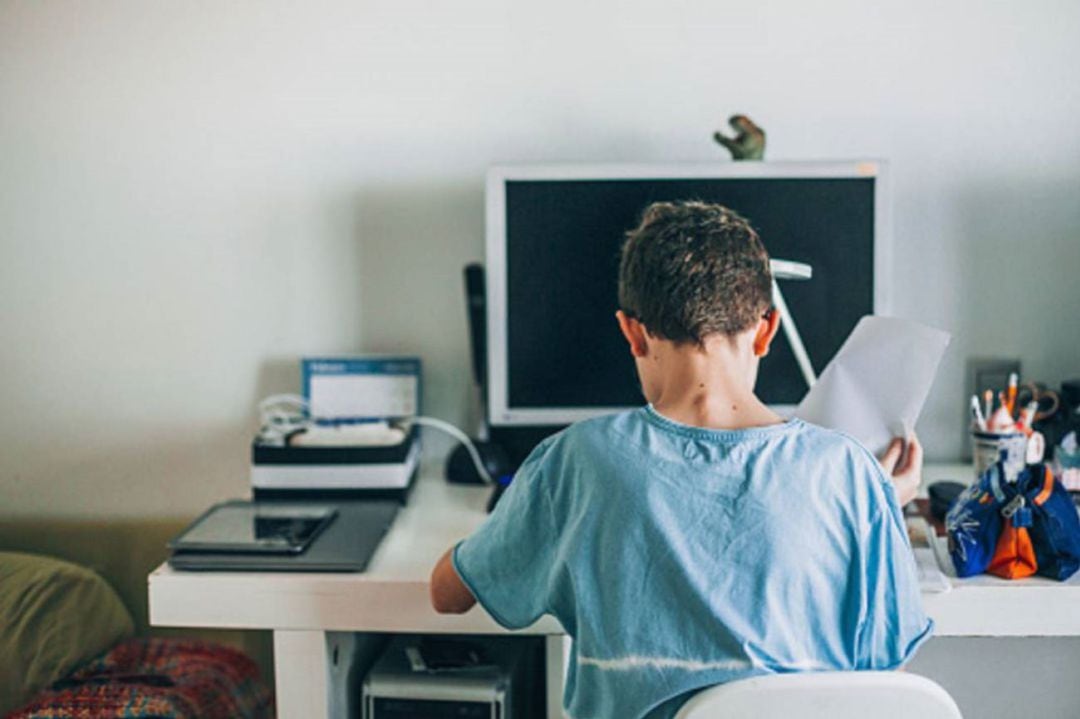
[905,467]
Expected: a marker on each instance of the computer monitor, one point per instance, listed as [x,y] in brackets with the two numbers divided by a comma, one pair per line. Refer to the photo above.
[554,232]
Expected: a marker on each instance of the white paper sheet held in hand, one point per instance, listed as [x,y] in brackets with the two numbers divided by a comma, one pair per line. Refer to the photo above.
[877,383]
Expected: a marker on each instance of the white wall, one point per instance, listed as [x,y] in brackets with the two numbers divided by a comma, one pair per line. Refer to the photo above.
[194,194]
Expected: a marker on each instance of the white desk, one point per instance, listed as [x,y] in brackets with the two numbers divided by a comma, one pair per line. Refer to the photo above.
[315,617]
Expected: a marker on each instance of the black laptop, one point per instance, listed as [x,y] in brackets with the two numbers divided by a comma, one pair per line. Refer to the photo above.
[296,536]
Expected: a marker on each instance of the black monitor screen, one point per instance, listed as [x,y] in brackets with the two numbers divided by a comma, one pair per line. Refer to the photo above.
[562,253]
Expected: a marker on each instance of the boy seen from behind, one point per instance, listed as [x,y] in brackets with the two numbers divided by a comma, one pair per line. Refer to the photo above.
[701,538]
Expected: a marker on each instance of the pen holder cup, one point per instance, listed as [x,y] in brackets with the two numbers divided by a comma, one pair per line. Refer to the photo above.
[989,447]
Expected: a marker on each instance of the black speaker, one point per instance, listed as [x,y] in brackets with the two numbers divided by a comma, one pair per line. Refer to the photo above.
[476,306]
[459,465]
[506,447]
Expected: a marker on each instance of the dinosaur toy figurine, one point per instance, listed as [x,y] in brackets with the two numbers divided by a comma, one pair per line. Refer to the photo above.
[749,141]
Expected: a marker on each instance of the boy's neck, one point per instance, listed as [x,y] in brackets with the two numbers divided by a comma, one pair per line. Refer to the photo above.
[710,388]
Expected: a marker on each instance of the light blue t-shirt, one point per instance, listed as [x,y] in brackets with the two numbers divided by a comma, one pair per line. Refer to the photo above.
[679,557]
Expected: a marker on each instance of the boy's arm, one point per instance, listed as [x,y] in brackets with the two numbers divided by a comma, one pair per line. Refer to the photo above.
[894,623]
[449,595]
[506,565]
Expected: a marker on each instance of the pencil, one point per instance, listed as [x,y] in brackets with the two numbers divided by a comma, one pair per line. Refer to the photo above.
[1013,380]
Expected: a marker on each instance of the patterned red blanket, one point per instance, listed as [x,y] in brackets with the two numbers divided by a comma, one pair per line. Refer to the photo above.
[159,678]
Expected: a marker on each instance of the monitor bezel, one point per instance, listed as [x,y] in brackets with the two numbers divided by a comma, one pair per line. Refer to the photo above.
[499,413]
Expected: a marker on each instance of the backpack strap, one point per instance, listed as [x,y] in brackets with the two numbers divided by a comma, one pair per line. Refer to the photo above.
[1009,508]
[1048,486]
[995,483]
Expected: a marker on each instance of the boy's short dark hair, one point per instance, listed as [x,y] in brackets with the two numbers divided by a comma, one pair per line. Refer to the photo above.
[693,269]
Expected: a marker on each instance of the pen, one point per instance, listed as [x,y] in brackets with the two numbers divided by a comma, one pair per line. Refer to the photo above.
[1013,379]
[988,402]
[1027,417]
[976,413]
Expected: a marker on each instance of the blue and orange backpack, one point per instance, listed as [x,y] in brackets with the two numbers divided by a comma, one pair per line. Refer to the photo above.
[1015,529]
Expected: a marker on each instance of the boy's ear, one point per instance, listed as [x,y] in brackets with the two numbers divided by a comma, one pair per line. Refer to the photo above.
[766,331]
[634,332]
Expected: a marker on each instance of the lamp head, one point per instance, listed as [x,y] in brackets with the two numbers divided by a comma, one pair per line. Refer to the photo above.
[788,270]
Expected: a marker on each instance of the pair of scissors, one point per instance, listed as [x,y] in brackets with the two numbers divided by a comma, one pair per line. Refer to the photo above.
[1046,400]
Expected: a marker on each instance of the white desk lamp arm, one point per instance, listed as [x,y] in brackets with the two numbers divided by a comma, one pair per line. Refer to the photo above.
[785,270]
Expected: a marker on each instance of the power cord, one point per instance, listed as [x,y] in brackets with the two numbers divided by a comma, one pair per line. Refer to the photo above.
[461,437]
[281,415]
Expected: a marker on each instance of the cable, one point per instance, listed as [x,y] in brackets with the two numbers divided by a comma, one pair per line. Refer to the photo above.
[461,437]
[281,415]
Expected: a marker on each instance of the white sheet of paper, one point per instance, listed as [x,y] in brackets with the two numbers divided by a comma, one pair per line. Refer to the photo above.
[876,385]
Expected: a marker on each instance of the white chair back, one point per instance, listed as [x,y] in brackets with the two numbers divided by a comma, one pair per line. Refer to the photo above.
[824,695]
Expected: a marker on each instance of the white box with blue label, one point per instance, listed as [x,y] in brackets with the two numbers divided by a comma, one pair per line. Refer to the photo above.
[344,389]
